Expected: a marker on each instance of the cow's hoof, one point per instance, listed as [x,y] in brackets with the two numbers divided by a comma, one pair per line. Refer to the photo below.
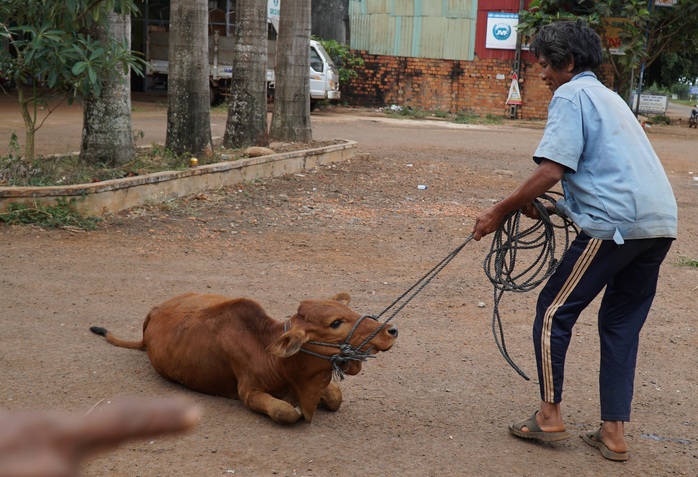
[286,414]
[331,398]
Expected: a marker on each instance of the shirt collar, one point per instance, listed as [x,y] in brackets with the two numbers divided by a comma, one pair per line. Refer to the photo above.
[583,74]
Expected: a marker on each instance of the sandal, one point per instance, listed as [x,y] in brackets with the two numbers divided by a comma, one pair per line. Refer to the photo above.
[593,438]
[535,432]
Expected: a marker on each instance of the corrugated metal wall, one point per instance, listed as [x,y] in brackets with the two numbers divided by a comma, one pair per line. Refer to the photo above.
[442,29]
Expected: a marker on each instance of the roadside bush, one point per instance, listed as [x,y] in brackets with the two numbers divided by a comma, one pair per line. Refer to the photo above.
[345,59]
[61,215]
[660,119]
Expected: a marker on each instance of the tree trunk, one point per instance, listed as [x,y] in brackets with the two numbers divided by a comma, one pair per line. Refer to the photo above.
[247,111]
[107,136]
[291,119]
[188,97]
[29,123]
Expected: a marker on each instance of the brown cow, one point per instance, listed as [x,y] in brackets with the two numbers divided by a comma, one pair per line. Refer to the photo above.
[230,347]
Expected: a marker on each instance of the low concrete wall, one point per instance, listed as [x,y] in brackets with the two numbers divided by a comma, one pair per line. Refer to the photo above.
[100,198]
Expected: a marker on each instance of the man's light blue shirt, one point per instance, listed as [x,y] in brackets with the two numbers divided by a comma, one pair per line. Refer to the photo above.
[614,184]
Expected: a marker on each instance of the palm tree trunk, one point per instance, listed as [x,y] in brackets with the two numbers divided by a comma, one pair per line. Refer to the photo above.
[188,97]
[107,135]
[247,111]
[291,119]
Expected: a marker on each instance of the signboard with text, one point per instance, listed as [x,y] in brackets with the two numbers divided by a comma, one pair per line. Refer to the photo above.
[612,27]
[273,8]
[651,103]
[501,30]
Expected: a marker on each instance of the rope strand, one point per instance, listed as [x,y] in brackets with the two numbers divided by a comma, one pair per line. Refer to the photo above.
[508,242]
[422,282]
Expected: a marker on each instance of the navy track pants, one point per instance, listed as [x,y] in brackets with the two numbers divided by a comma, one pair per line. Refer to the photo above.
[629,272]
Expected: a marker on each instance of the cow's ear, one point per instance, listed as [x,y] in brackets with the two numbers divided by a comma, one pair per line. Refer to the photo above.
[343,298]
[287,344]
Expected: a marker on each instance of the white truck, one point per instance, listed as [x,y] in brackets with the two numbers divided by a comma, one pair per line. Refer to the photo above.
[324,76]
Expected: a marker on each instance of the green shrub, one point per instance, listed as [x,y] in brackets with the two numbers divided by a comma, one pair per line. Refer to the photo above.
[408,112]
[660,119]
[466,117]
[492,119]
[345,59]
[63,214]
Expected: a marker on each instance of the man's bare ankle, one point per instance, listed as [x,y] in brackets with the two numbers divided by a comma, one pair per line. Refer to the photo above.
[613,435]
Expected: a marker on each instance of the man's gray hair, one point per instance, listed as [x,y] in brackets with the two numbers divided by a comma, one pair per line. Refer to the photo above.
[565,41]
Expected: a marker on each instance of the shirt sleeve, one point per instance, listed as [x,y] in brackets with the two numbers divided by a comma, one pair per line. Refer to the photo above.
[563,139]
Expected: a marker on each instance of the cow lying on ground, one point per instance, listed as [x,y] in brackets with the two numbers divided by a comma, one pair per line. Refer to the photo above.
[231,347]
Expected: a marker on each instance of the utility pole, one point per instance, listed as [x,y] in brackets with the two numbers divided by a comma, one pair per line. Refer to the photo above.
[516,67]
[650,4]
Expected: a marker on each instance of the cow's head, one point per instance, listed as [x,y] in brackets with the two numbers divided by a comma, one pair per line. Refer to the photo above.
[325,327]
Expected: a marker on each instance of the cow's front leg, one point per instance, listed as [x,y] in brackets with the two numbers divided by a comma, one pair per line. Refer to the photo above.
[311,396]
[277,409]
[331,397]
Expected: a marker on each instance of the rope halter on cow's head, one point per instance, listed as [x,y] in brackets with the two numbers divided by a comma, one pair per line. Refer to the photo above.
[347,352]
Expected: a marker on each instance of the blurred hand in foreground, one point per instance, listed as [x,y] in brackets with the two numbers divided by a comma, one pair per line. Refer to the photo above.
[53,444]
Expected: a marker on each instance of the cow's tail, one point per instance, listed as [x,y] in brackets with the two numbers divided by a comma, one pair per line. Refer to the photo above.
[111,339]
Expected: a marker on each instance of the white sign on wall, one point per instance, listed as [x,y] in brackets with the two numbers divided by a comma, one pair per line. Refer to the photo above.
[501,30]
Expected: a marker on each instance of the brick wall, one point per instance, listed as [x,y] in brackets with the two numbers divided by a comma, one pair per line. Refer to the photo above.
[448,85]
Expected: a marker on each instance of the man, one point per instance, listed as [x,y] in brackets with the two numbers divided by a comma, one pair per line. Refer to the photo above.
[617,192]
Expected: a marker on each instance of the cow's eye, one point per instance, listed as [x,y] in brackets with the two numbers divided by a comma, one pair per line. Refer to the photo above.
[336,324]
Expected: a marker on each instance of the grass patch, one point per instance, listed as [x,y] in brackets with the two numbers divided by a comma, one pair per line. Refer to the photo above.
[466,117]
[660,119]
[408,112]
[69,169]
[492,119]
[470,117]
[687,262]
[220,108]
[61,215]
[461,117]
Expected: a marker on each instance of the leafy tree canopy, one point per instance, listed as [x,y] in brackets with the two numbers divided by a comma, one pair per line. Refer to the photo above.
[50,43]
[51,46]
[648,33]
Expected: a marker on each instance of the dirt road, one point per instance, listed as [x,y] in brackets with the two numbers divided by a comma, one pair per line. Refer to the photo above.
[438,403]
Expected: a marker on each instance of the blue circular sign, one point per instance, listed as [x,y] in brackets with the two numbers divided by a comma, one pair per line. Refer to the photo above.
[501,31]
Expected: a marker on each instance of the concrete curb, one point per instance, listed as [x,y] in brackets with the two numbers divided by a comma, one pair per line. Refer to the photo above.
[100,198]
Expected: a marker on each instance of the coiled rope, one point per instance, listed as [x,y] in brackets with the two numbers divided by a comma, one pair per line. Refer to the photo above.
[508,242]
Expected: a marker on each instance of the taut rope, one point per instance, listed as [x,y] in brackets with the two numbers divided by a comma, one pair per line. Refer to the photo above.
[508,240]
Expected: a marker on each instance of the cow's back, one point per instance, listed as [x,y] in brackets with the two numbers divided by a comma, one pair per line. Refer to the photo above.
[201,340]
